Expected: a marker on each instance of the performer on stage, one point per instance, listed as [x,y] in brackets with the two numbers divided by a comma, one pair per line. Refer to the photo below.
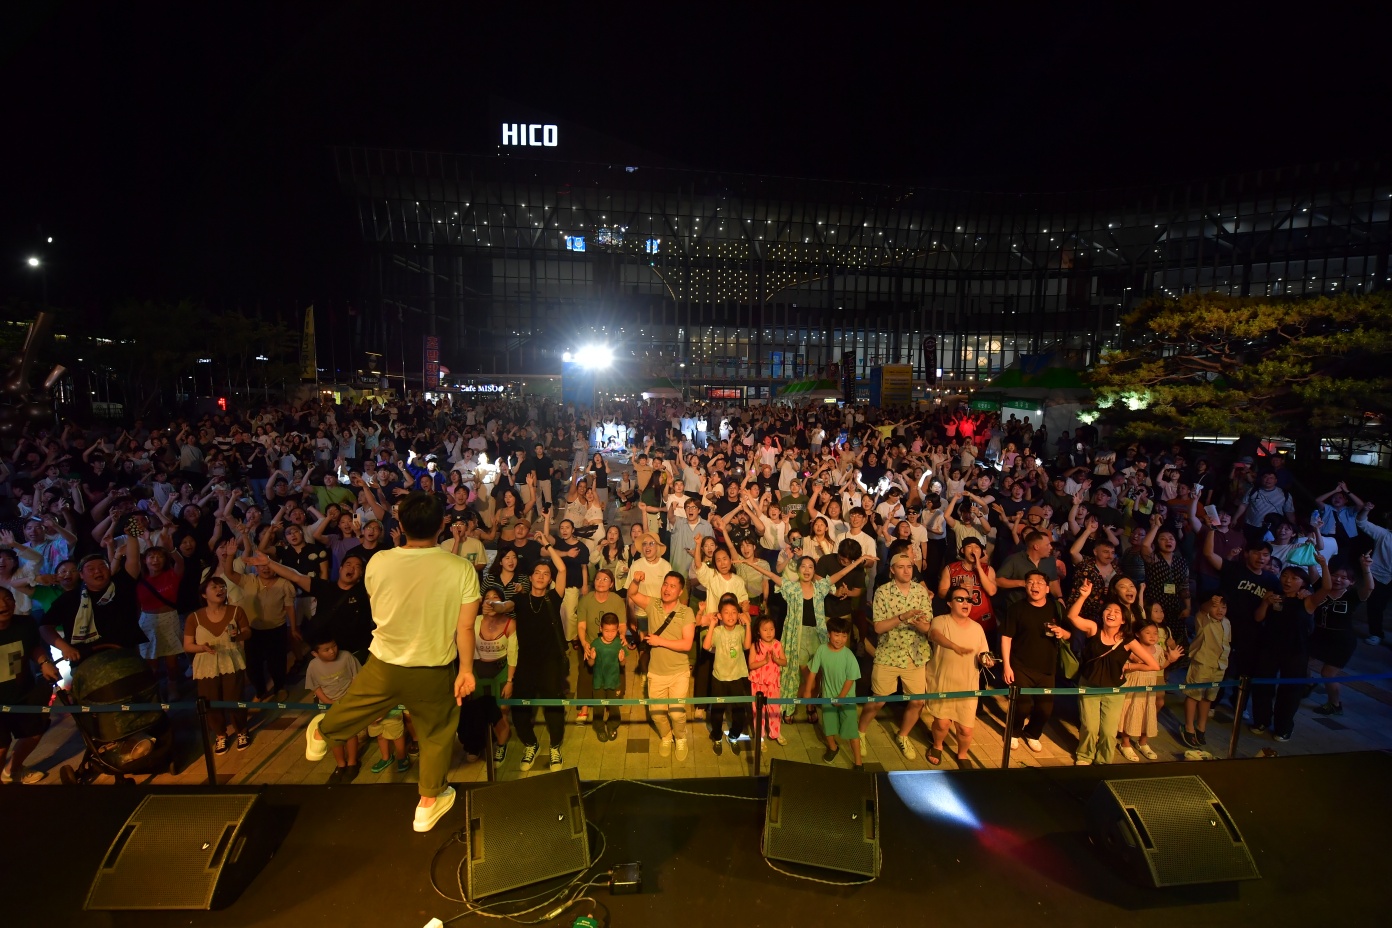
[424,601]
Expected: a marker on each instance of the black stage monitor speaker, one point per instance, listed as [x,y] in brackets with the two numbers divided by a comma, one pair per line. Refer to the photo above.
[1168,831]
[525,831]
[195,851]
[823,817]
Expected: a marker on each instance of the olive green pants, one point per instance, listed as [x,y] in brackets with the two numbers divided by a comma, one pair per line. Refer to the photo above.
[426,692]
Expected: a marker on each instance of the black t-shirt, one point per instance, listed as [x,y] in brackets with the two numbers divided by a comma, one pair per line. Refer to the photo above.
[367,553]
[1287,630]
[1105,515]
[1030,647]
[1335,615]
[115,615]
[1010,507]
[306,560]
[576,557]
[1243,591]
[835,606]
[528,554]
[346,614]
[724,506]
[18,641]
[540,643]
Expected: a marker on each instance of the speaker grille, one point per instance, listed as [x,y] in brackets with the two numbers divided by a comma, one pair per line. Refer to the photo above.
[822,817]
[171,852]
[1183,831]
[524,832]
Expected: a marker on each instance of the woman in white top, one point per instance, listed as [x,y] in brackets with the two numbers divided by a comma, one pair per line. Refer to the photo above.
[495,663]
[819,543]
[214,636]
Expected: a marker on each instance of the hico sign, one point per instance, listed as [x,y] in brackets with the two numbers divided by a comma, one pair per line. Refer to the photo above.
[535,134]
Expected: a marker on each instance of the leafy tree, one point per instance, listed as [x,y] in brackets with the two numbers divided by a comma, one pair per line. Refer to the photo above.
[1212,364]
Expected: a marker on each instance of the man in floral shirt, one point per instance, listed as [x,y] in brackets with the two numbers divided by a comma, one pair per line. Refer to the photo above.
[903,611]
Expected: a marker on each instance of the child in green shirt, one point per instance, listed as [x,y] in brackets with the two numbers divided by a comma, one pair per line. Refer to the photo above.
[608,675]
[839,670]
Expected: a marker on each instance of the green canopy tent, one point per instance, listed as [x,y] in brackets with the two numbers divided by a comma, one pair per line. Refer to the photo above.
[1055,393]
[657,388]
[810,389]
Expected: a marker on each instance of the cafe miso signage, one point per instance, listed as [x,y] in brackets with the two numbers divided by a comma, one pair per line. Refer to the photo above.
[530,134]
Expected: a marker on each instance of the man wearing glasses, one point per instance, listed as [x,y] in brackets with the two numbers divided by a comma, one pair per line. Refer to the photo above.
[903,612]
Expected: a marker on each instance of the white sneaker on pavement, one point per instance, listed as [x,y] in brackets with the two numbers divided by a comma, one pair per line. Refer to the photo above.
[1034,744]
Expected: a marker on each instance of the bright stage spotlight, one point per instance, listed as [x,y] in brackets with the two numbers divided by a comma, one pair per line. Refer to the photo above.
[594,357]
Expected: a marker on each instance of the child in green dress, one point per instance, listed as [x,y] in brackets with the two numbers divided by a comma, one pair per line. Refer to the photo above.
[839,670]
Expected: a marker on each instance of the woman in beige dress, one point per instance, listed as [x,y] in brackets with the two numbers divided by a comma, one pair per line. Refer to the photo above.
[957,641]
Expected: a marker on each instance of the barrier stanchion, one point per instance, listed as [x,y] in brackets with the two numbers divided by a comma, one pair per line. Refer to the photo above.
[760,724]
[1009,724]
[1243,683]
[488,756]
[208,760]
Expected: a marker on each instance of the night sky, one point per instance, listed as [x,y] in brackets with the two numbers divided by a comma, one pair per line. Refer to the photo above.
[182,150]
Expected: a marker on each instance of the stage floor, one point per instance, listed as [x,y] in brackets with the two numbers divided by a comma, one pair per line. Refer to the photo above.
[958,847]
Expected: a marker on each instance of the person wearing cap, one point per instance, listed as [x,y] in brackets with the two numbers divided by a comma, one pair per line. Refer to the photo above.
[902,613]
[652,566]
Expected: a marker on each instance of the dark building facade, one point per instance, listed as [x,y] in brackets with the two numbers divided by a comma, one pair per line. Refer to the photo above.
[515,257]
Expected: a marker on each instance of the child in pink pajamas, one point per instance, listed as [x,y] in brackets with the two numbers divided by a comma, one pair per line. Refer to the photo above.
[766,662]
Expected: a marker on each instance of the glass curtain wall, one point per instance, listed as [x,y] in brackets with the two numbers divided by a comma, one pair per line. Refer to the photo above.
[746,279]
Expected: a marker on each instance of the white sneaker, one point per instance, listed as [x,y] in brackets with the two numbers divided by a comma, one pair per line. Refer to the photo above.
[1082,763]
[1014,744]
[315,748]
[664,747]
[681,749]
[905,747]
[1130,754]
[1034,745]
[556,759]
[529,754]
[427,817]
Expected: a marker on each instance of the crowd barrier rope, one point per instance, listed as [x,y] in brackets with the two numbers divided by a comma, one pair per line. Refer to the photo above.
[760,701]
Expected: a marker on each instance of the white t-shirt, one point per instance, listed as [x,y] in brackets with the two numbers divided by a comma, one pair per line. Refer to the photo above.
[416,594]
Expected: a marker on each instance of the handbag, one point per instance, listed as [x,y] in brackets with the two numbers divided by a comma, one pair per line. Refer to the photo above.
[1067,660]
[1302,555]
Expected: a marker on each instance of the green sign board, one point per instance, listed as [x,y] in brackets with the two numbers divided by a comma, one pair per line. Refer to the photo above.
[985,405]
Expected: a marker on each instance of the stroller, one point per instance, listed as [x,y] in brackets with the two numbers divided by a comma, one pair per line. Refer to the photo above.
[118,743]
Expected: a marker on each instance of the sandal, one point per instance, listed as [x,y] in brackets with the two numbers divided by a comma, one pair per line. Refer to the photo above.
[935,756]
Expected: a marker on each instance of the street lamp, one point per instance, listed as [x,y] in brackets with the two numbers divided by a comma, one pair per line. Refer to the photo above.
[35,262]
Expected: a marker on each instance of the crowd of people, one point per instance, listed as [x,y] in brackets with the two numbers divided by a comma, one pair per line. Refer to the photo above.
[689,549]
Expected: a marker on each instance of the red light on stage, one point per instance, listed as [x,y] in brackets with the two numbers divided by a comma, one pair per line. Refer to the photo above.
[222,403]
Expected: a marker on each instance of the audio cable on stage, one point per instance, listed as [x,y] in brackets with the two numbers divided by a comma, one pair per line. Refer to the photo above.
[556,901]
